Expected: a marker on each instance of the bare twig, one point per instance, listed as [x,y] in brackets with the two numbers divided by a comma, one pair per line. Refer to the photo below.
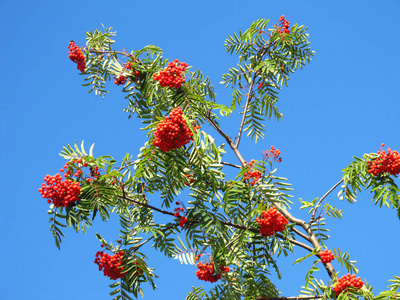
[322,198]
[231,165]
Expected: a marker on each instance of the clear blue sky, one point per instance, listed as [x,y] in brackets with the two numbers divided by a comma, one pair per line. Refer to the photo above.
[345,103]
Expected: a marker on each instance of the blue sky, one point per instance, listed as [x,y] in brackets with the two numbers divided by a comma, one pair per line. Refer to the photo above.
[345,103]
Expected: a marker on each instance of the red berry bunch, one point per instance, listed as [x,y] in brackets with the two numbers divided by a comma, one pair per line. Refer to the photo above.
[206,271]
[271,221]
[190,178]
[347,282]
[110,264]
[94,171]
[326,256]
[284,25]
[252,176]
[272,154]
[172,75]
[121,79]
[172,132]
[77,56]
[61,193]
[134,73]
[387,162]
[177,214]
[183,221]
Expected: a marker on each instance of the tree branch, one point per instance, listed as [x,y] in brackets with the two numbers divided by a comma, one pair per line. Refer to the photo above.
[312,219]
[293,298]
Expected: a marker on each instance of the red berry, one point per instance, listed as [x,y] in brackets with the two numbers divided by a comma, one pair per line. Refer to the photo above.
[172,132]
[77,56]
[206,271]
[172,75]
[386,162]
[326,256]
[111,264]
[347,282]
[271,221]
[61,193]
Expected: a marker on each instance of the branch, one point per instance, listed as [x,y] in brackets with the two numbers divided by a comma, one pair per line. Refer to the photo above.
[252,229]
[292,298]
[322,198]
[152,237]
[245,109]
[311,237]
[301,234]
[227,138]
[229,164]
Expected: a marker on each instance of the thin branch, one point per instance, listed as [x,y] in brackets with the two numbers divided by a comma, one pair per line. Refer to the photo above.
[227,138]
[301,234]
[293,298]
[322,198]
[223,222]
[249,96]
[152,237]
[231,165]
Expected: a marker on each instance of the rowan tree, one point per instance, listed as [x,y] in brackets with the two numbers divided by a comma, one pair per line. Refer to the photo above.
[232,229]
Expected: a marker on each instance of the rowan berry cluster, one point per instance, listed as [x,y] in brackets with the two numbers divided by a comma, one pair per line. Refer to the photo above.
[76,55]
[61,193]
[182,220]
[326,256]
[272,154]
[121,79]
[172,132]
[387,162]
[252,176]
[134,73]
[110,264]
[271,221]
[190,178]
[284,25]
[206,272]
[347,282]
[172,75]
[79,164]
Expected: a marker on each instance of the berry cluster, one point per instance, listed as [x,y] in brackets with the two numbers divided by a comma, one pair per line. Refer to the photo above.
[61,193]
[326,256]
[94,171]
[172,75]
[271,221]
[135,73]
[172,132]
[284,25]
[110,264]
[121,79]
[206,272]
[76,55]
[272,154]
[182,220]
[387,162]
[347,282]
[190,178]
[252,176]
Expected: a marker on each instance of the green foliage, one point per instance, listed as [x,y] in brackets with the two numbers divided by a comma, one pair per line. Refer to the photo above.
[266,58]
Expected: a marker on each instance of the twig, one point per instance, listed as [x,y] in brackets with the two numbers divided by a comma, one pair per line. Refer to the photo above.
[231,165]
[293,298]
[322,198]
[249,96]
